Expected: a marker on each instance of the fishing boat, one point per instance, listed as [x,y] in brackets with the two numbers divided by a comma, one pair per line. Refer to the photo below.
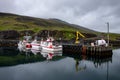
[25,43]
[35,45]
[23,49]
[49,46]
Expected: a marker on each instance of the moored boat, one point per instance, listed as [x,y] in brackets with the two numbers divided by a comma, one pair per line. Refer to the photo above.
[36,45]
[25,43]
[49,46]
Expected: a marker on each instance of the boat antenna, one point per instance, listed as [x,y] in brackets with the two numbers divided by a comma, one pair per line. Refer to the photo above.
[48,34]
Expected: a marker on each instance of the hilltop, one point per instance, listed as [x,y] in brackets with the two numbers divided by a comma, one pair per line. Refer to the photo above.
[11,24]
[17,22]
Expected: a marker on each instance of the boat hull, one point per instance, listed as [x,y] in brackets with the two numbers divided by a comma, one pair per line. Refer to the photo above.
[52,49]
[36,47]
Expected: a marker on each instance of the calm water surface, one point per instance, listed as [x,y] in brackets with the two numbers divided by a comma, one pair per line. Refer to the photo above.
[67,68]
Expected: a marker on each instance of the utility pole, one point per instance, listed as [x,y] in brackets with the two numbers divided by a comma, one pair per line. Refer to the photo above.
[108,32]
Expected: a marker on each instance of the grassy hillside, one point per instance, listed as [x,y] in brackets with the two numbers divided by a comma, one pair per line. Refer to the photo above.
[19,23]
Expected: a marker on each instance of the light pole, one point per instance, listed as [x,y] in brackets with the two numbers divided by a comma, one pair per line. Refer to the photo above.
[108,32]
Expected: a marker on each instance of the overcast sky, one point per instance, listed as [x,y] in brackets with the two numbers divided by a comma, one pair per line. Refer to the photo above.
[92,14]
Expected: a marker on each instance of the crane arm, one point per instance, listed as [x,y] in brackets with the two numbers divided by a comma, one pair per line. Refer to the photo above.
[77,36]
[80,34]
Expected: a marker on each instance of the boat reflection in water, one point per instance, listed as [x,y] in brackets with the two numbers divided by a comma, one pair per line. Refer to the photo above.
[81,61]
[68,66]
[10,56]
[50,54]
[78,58]
[35,52]
[46,54]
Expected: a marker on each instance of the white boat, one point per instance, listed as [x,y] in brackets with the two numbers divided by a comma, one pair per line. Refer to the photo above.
[35,45]
[21,45]
[25,43]
[48,45]
[52,48]
[22,48]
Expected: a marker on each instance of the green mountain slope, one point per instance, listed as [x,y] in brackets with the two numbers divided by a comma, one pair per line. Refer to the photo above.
[16,22]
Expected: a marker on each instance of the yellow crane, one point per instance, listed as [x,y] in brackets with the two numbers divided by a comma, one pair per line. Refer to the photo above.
[77,37]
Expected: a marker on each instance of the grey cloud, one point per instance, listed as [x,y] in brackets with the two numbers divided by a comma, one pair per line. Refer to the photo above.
[7,5]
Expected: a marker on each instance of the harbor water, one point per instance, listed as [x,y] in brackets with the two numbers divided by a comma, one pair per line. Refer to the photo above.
[35,66]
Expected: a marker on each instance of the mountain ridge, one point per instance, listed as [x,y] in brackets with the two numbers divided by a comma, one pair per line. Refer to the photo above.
[20,22]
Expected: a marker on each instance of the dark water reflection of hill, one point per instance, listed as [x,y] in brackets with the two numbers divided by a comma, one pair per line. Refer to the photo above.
[12,56]
[63,67]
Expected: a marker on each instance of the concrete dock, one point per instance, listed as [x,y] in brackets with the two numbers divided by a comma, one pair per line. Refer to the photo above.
[72,48]
[100,51]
